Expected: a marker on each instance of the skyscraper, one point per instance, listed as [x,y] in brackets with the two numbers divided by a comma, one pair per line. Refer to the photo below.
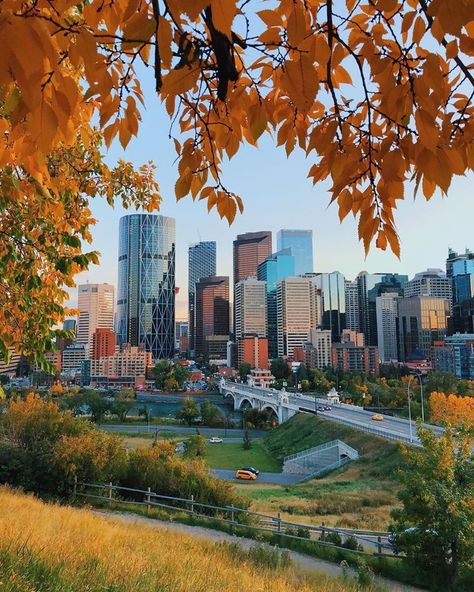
[211,315]
[371,285]
[352,306]
[250,250]
[422,321]
[96,310]
[460,270]
[386,306]
[146,283]
[276,267]
[333,302]
[296,313]
[300,243]
[432,282]
[250,308]
[201,264]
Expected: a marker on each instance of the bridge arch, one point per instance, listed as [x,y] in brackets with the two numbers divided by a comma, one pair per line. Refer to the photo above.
[245,404]
[275,418]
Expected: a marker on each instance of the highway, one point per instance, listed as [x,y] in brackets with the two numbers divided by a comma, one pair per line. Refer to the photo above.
[392,427]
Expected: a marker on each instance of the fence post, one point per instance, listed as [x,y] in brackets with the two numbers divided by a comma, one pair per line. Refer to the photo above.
[379,545]
[148,499]
[279,522]
[322,531]
[110,490]
[192,502]
[232,513]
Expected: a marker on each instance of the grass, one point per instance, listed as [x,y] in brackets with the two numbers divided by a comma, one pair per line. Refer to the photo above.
[48,548]
[360,495]
[232,456]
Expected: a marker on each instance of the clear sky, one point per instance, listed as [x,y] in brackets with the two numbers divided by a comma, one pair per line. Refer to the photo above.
[277,195]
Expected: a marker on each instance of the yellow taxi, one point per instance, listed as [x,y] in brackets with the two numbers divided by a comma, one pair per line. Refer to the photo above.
[246,475]
[377,417]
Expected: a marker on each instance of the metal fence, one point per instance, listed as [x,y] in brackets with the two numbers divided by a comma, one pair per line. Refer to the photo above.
[374,541]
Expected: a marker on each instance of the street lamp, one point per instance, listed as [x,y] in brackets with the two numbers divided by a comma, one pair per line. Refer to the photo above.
[418,375]
[409,409]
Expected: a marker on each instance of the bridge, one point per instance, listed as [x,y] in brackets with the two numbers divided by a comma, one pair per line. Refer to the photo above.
[285,405]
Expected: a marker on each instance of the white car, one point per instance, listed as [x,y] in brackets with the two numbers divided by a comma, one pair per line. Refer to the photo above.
[215,440]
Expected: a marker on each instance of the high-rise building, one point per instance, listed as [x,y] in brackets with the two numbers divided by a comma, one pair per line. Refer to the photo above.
[387,326]
[352,306]
[250,306]
[296,313]
[276,267]
[96,310]
[432,282]
[422,321]
[71,359]
[201,264]
[129,361]
[300,243]
[333,302]
[250,250]
[103,343]
[146,283]
[253,350]
[455,354]
[70,325]
[347,356]
[212,316]
[317,353]
[348,336]
[370,286]
[460,270]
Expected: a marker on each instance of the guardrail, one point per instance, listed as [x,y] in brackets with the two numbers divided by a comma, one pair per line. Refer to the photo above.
[234,516]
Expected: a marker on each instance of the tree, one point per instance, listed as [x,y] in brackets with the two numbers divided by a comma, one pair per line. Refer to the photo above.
[189,411]
[97,405]
[246,443]
[257,418]
[181,375]
[227,73]
[444,382]
[244,369]
[279,369]
[170,376]
[195,446]
[211,414]
[120,407]
[452,410]
[438,503]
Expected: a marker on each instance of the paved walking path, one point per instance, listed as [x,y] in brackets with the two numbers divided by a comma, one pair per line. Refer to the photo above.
[305,562]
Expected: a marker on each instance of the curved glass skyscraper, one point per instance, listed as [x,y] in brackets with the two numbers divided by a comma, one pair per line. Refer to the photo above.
[146,283]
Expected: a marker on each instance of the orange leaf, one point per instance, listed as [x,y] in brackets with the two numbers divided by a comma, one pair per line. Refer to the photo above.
[223,12]
[180,81]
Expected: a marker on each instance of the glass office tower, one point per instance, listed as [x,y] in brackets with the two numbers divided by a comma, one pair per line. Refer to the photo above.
[201,264]
[301,244]
[146,283]
[276,267]
[333,303]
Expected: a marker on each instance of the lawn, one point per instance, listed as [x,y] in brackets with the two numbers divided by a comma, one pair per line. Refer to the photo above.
[232,456]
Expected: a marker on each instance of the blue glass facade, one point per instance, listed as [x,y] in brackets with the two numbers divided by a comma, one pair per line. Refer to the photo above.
[201,264]
[276,267]
[146,283]
[301,244]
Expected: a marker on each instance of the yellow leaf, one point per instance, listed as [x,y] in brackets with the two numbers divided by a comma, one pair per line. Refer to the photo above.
[180,81]
[164,42]
[257,120]
[300,81]
[183,185]
[223,12]
[296,27]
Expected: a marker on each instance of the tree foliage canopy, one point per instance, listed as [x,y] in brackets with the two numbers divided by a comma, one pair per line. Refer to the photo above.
[375,92]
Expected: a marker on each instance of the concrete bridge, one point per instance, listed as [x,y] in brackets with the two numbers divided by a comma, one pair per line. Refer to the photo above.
[285,405]
[245,396]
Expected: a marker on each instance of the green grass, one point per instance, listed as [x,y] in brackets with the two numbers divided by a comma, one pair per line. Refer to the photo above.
[232,456]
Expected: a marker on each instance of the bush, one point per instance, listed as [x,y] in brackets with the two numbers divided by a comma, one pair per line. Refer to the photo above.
[352,544]
[365,575]
[331,537]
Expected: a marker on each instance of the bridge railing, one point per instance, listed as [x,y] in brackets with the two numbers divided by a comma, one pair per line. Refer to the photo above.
[311,450]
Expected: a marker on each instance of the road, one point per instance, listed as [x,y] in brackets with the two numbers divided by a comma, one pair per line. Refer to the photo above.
[275,478]
[306,563]
[143,429]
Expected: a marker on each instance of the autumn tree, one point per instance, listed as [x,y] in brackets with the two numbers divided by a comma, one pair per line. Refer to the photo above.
[189,411]
[434,525]
[374,92]
[451,409]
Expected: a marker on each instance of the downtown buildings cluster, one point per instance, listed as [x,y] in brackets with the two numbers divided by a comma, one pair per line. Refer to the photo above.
[274,305]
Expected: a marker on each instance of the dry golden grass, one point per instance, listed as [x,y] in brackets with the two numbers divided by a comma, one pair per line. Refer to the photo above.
[128,557]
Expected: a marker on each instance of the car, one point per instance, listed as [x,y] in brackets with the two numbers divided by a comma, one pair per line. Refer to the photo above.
[251,469]
[327,408]
[245,475]
[320,408]
[377,417]
[214,440]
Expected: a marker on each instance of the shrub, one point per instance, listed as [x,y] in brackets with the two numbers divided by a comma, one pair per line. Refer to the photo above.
[331,537]
[365,575]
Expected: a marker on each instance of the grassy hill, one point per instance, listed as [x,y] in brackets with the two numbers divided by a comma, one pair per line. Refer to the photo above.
[48,548]
[360,495]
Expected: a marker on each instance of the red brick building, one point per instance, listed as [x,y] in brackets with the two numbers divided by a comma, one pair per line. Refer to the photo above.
[253,350]
[103,343]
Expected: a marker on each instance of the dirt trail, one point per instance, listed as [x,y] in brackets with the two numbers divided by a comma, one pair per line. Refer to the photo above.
[305,562]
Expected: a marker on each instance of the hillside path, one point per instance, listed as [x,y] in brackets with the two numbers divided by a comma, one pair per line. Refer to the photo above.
[305,562]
